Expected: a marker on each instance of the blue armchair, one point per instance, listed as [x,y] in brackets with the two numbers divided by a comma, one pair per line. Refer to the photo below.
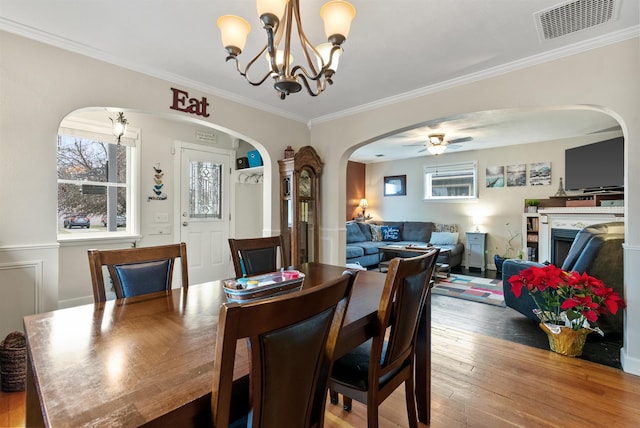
[596,250]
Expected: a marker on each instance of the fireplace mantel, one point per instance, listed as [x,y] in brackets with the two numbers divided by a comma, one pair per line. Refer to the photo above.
[575,218]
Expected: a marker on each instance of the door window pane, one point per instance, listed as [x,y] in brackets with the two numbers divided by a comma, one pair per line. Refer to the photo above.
[205,190]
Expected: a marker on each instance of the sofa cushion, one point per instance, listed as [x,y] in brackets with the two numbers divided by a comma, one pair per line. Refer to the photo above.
[370,247]
[417,231]
[444,238]
[366,231]
[354,234]
[354,251]
[390,233]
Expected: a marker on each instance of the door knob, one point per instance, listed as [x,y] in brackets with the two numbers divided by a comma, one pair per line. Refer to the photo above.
[185,223]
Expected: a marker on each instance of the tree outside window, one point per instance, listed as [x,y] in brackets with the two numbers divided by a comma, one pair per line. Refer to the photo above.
[92,183]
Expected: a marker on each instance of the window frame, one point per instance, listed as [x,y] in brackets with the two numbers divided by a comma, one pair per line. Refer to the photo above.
[463,168]
[99,131]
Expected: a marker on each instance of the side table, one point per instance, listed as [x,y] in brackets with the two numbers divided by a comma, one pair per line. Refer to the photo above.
[476,242]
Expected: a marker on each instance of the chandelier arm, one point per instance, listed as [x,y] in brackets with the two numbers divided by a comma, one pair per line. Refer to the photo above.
[271,48]
[246,70]
[304,41]
[320,85]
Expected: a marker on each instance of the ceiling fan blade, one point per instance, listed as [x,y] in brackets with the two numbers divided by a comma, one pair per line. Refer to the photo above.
[460,140]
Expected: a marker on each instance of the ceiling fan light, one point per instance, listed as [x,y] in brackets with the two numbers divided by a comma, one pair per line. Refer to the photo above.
[325,55]
[436,139]
[337,16]
[437,149]
[233,32]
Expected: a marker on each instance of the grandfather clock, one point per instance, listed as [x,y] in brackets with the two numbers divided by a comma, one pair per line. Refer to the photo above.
[300,204]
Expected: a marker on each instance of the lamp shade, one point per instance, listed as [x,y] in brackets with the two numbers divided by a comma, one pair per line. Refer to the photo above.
[274,7]
[279,59]
[337,16]
[233,31]
[325,53]
[363,203]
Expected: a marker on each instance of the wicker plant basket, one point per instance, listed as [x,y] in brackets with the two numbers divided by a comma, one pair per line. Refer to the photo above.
[13,362]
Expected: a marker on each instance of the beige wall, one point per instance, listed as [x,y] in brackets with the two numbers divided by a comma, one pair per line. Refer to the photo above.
[40,85]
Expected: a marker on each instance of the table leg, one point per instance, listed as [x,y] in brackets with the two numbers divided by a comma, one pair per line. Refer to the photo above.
[423,364]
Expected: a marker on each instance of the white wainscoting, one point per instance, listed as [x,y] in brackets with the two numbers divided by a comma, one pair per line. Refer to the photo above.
[20,293]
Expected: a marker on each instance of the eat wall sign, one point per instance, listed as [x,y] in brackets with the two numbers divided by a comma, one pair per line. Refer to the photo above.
[182,102]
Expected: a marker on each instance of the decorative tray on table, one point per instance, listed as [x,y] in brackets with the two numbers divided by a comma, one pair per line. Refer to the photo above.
[263,286]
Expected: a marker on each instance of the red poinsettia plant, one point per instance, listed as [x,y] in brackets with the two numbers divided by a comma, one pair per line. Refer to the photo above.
[566,298]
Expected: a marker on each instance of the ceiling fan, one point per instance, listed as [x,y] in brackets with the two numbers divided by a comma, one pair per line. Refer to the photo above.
[437,144]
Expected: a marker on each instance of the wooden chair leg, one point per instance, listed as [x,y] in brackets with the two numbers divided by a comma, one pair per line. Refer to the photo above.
[333,397]
[346,403]
[411,402]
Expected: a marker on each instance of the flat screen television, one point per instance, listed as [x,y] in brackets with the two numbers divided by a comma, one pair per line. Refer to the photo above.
[594,167]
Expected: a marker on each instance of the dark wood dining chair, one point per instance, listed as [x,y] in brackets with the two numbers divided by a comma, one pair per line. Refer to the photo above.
[371,372]
[291,342]
[253,256]
[135,271]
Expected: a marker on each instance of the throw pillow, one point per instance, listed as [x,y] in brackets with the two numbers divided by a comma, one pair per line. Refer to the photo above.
[376,232]
[390,233]
[444,238]
[441,227]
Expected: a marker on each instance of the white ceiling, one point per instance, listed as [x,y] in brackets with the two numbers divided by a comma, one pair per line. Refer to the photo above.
[414,46]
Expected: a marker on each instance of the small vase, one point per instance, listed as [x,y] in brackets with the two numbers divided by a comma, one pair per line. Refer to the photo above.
[498,260]
[566,341]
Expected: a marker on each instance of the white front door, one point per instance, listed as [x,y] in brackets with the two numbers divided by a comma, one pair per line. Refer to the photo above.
[204,211]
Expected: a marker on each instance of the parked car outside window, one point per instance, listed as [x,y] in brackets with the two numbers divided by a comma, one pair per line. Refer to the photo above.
[121,220]
[77,220]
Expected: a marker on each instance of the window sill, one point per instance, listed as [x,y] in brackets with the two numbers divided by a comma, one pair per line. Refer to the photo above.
[97,238]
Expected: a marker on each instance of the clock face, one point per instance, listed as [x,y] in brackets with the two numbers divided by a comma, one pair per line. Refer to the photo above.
[305,184]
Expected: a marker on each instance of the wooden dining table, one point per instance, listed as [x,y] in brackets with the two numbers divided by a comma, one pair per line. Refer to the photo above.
[148,360]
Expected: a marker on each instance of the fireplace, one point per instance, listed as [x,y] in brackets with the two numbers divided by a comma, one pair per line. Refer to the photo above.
[561,240]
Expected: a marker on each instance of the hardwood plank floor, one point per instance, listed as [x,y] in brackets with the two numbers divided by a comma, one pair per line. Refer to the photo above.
[482,377]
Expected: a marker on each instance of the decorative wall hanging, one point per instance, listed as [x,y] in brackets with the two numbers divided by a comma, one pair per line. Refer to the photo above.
[495,176]
[517,175]
[395,185]
[157,185]
[540,173]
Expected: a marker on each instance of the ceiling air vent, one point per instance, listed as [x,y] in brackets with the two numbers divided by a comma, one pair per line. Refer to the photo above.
[573,16]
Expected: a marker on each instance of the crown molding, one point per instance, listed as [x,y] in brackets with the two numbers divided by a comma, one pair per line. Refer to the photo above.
[542,58]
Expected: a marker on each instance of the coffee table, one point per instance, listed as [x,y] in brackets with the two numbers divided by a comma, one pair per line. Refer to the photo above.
[442,270]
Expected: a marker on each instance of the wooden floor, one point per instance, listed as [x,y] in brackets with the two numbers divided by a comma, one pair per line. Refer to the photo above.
[481,379]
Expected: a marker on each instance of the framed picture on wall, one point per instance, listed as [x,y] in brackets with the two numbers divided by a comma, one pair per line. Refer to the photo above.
[395,185]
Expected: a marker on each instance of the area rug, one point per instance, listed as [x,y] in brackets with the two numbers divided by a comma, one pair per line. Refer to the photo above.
[484,290]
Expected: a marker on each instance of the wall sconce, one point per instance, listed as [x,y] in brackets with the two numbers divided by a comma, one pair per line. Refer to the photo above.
[119,126]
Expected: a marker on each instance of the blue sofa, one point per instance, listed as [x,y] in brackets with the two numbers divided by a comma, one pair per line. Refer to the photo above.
[362,247]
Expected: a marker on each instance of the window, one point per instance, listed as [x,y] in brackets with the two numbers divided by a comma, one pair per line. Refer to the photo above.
[451,182]
[95,177]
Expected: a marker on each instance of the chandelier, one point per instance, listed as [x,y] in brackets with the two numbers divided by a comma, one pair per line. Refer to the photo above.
[278,18]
